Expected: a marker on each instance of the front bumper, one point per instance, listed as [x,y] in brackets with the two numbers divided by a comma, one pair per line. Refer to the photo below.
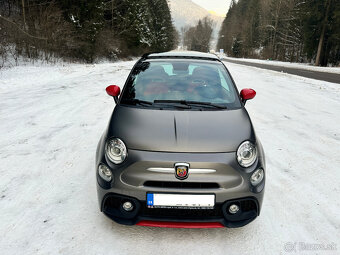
[112,207]
[132,180]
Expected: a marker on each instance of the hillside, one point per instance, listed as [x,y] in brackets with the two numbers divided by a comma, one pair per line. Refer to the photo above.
[187,13]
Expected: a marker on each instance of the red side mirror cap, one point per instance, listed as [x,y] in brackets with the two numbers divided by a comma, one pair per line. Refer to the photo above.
[113,90]
[247,94]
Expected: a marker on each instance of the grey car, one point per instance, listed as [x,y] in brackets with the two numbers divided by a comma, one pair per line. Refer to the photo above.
[180,149]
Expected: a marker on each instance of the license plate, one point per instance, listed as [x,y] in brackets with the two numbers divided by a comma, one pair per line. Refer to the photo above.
[181,201]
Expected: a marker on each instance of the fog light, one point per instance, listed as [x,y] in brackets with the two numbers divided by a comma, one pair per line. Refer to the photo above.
[127,206]
[105,173]
[257,177]
[234,209]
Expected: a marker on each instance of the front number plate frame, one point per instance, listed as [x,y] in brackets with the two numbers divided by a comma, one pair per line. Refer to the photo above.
[180,201]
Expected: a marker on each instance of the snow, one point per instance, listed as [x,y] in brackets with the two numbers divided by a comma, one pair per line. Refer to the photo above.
[51,119]
[303,66]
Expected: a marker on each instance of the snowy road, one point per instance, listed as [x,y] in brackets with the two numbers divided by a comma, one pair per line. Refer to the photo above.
[51,119]
[312,72]
[304,72]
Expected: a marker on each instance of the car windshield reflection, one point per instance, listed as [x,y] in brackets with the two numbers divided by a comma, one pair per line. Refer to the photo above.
[180,80]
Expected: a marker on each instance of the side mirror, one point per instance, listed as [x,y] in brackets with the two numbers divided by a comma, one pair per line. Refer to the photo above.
[247,94]
[114,91]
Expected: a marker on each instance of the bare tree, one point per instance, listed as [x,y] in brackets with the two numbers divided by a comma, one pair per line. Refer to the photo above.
[322,36]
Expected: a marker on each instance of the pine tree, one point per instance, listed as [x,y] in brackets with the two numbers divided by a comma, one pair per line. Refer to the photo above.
[87,18]
[144,25]
[198,38]
[288,30]
[321,23]
[241,27]
[162,31]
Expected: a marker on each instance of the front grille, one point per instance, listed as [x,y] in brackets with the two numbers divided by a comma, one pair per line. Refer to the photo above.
[216,212]
[112,202]
[248,205]
[182,185]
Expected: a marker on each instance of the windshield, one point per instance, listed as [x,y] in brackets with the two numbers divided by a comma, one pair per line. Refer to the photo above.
[180,80]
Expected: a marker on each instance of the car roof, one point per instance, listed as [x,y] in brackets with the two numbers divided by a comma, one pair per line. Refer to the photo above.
[181,54]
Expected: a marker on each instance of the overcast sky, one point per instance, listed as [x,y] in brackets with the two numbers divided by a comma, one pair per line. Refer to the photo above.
[219,6]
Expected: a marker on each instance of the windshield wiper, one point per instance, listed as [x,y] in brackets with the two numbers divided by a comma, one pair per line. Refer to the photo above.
[137,101]
[173,103]
[188,103]
[148,103]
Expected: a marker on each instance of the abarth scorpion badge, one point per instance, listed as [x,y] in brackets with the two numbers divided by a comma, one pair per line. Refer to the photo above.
[181,170]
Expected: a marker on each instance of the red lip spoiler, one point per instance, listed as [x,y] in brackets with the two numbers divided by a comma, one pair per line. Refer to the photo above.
[169,224]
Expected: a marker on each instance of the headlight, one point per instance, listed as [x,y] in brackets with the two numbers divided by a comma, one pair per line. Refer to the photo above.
[116,150]
[246,154]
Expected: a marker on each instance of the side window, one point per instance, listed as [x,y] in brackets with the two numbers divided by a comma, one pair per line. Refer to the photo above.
[224,83]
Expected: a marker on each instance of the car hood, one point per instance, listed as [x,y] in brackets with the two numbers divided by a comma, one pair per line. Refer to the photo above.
[181,131]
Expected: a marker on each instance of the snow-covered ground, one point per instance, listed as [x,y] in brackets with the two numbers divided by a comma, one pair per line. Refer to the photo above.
[51,119]
[304,66]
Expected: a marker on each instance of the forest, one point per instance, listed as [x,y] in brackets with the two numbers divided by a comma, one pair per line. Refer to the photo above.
[198,37]
[84,30]
[94,30]
[286,30]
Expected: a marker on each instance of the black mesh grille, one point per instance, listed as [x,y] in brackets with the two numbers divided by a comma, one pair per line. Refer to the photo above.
[248,205]
[183,185]
[112,202]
